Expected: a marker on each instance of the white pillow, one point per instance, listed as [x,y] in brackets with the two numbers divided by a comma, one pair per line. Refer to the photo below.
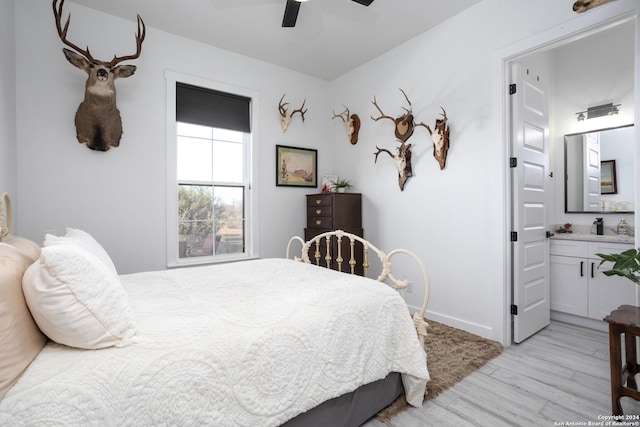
[76,301]
[85,241]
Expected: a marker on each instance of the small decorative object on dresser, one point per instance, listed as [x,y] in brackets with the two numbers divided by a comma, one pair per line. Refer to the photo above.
[335,211]
[341,185]
[327,183]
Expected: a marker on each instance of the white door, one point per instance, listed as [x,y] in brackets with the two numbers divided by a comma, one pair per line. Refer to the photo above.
[530,181]
[591,172]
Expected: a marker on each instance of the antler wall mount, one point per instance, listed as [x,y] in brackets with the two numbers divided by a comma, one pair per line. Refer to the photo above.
[285,116]
[440,138]
[352,123]
[584,5]
[404,127]
[97,120]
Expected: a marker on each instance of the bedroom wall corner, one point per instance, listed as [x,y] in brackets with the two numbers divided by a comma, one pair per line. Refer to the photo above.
[454,219]
[119,196]
[8,133]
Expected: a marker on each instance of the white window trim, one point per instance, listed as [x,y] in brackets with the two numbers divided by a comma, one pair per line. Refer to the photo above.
[251,202]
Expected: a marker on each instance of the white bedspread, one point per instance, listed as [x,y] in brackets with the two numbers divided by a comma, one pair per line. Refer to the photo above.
[244,344]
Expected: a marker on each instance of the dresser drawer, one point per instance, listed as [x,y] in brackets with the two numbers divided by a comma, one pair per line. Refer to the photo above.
[314,211]
[319,200]
[320,222]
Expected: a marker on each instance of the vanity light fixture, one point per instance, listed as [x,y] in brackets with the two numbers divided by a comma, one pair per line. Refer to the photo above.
[598,111]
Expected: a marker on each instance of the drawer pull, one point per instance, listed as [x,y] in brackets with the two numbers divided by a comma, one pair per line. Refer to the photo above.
[318,222]
[318,201]
[318,211]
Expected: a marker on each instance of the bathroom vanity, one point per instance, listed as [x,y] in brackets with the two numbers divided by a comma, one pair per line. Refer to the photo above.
[580,292]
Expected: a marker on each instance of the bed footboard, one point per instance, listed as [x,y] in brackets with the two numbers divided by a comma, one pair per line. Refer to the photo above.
[320,251]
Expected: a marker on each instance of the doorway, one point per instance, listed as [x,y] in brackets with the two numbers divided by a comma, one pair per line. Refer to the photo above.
[524,52]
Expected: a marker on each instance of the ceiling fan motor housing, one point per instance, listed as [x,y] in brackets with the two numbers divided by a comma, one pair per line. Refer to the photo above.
[293,7]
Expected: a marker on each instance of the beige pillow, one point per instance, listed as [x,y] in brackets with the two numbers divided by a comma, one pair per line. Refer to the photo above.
[26,247]
[20,338]
[85,241]
[76,300]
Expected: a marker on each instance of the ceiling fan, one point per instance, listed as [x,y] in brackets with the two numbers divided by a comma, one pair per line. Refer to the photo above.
[293,6]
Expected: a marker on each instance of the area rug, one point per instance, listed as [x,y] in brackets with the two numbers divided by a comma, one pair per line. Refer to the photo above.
[452,354]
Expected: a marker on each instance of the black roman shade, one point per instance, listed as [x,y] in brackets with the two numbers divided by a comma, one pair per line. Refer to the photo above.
[208,107]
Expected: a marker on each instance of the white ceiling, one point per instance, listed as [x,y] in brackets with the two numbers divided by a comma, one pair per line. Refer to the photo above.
[331,37]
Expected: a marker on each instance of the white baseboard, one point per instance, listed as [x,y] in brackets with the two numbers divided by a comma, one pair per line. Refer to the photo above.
[474,328]
[585,322]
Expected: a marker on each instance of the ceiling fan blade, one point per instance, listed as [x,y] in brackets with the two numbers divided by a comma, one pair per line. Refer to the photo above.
[290,13]
[364,2]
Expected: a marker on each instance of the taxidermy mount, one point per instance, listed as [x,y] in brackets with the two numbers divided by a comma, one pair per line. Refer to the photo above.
[97,120]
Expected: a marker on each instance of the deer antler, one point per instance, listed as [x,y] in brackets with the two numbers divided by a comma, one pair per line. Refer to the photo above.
[140,35]
[283,111]
[382,150]
[300,110]
[344,115]
[62,32]
[382,115]
[410,110]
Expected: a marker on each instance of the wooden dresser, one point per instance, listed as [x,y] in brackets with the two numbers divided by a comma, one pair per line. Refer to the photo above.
[335,211]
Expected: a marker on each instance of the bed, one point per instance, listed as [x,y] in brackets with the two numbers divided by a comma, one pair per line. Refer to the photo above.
[264,342]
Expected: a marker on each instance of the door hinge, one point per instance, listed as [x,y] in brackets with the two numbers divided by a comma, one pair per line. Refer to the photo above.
[513,162]
[512,88]
[514,236]
[514,309]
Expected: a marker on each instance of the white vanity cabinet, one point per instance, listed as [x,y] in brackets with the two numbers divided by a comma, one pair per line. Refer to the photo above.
[578,286]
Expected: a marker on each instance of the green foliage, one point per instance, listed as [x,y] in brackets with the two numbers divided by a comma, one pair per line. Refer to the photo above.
[625,264]
[200,213]
[195,213]
[342,183]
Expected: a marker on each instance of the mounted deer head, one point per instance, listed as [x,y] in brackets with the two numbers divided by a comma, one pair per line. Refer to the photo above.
[584,5]
[97,120]
[285,116]
[352,122]
[440,138]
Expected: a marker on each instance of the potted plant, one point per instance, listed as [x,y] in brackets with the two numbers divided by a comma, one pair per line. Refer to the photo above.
[625,264]
[341,185]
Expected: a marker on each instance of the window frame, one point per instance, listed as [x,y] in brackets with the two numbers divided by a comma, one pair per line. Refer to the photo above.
[250,159]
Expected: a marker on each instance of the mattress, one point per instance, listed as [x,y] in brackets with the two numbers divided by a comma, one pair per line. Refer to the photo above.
[241,344]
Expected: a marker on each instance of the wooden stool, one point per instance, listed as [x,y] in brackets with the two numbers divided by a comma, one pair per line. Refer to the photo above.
[624,320]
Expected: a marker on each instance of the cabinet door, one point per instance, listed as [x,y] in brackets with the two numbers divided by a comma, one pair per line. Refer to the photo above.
[608,293]
[569,284]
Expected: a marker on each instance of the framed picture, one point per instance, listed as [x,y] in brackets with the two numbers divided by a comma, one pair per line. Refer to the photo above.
[608,182]
[296,167]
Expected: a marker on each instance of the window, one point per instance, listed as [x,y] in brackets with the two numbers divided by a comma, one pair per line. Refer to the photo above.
[210,195]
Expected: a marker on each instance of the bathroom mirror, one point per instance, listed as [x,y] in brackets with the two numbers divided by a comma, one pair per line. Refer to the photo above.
[600,171]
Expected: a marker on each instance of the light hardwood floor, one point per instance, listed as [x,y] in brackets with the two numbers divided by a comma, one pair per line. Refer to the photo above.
[559,375]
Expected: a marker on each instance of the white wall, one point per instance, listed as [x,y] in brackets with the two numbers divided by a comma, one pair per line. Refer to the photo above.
[455,219]
[119,196]
[7,101]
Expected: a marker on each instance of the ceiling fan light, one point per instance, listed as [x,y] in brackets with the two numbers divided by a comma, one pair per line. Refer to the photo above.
[301,1]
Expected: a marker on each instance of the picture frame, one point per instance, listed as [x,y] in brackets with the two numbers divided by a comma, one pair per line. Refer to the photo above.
[296,167]
[608,178]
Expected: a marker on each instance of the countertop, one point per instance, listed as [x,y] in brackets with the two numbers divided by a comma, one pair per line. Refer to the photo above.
[613,238]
